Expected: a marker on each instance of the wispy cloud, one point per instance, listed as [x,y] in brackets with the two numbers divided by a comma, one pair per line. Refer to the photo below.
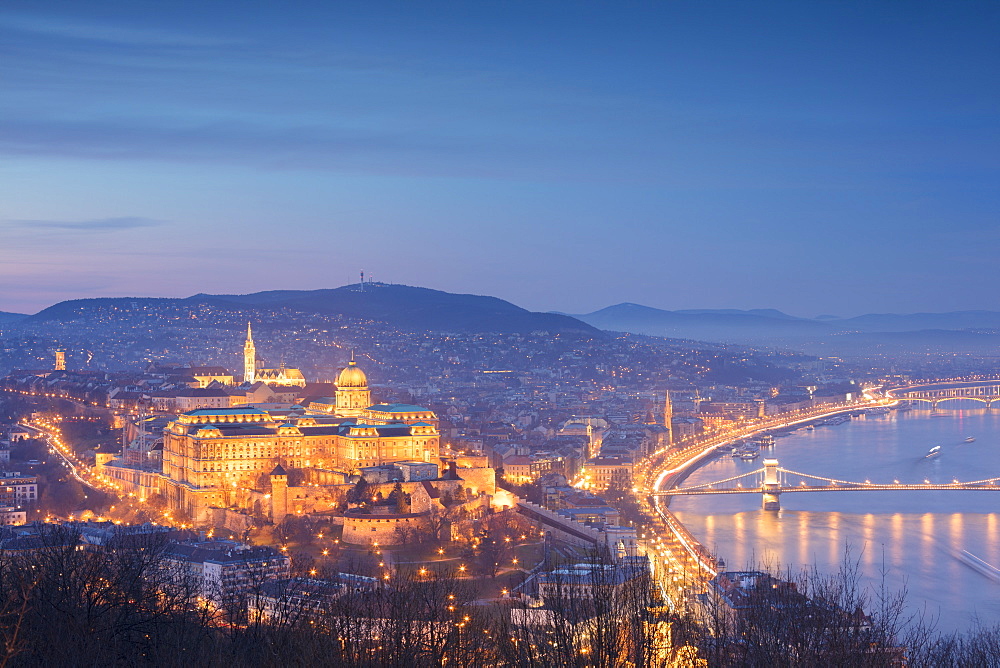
[96,225]
[304,147]
[106,32]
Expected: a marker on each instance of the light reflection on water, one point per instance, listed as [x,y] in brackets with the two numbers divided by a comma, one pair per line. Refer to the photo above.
[913,536]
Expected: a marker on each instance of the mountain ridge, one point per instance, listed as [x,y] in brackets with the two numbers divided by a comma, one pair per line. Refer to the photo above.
[399,305]
[417,308]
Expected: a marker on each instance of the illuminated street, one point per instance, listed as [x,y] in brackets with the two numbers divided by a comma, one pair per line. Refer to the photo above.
[684,565]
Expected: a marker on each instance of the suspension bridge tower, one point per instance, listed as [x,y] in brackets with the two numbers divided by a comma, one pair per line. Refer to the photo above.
[771,487]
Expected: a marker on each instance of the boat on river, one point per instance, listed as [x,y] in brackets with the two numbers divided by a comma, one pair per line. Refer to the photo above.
[970,439]
[765,441]
[835,420]
[933,452]
[746,452]
[979,565]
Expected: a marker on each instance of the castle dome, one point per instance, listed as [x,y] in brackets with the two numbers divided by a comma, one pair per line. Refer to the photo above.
[352,376]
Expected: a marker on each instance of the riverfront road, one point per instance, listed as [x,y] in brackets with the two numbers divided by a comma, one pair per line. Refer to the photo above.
[683,565]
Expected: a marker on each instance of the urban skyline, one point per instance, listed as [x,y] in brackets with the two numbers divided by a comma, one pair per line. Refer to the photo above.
[508,332]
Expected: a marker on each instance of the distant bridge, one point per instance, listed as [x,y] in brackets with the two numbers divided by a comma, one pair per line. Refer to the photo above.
[772,481]
[985,391]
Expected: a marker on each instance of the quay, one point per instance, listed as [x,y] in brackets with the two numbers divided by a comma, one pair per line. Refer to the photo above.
[682,565]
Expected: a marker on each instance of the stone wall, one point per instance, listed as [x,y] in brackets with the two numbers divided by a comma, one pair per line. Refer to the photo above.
[360,529]
[229,519]
[480,479]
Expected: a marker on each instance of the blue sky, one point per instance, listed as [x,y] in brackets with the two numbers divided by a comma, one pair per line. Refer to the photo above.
[814,157]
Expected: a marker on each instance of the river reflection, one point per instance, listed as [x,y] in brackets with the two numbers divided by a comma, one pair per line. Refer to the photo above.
[912,537]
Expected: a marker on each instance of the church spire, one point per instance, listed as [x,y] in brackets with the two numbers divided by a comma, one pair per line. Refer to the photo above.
[668,416]
[249,358]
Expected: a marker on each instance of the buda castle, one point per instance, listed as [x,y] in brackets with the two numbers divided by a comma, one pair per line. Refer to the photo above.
[213,456]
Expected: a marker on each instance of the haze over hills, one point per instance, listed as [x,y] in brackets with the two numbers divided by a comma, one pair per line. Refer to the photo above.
[401,306]
[721,325]
[415,308]
[971,330]
[890,322]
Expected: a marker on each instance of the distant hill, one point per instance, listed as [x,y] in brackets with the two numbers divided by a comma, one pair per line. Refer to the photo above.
[412,307]
[80,308]
[831,335]
[711,325]
[762,312]
[402,306]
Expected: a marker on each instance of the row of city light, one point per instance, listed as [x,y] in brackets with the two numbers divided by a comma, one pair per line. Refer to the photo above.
[651,473]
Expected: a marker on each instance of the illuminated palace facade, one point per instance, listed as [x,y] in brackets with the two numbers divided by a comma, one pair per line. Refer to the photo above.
[211,457]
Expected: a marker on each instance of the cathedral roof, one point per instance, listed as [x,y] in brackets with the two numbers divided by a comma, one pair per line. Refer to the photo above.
[279,470]
[284,372]
[352,376]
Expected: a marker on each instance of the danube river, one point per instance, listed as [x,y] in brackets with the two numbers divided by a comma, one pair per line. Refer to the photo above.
[915,537]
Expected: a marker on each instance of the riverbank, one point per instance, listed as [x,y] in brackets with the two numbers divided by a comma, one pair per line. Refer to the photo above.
[906,540]
[683,564]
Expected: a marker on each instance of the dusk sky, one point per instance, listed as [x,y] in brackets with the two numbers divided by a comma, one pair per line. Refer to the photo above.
[812,157]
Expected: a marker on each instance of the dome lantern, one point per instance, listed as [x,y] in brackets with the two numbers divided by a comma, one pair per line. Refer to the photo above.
[352,376]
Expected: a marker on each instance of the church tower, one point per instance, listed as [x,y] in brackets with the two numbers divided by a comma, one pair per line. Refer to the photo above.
[249,359]
[668,417]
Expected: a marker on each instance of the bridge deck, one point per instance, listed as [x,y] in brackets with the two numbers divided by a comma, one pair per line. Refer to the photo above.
[834,488]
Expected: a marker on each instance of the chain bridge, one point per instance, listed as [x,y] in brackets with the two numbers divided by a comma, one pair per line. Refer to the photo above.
[985,391]
[772,481]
